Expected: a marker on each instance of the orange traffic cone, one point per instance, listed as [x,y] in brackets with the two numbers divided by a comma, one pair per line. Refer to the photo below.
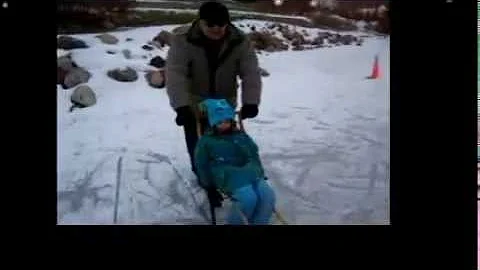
[375,70]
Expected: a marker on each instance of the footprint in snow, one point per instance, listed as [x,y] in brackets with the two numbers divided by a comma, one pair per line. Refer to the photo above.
[301,108]
[262,122]
[281,115]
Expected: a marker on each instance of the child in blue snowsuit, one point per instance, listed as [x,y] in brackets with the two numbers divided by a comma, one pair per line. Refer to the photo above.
[228,159]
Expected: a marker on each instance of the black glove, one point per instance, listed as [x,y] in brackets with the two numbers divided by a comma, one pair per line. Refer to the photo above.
[249,111]
[214,197]
[184,115]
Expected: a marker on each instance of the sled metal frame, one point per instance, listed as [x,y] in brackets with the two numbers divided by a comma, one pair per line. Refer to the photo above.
[225,196]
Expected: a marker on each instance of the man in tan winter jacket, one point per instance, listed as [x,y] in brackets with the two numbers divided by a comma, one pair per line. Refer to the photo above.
[204,61]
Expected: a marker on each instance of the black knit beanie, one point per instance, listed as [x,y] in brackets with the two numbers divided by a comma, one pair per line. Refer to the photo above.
[214,13]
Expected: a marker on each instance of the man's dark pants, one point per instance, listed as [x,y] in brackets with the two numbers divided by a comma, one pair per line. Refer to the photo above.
[191,138]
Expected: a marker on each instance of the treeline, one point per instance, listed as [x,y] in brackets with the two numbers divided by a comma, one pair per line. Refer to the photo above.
[93,14]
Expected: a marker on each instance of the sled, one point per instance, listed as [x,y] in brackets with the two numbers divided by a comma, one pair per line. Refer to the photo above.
[201,120]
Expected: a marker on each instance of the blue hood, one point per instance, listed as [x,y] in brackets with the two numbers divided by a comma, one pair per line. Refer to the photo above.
[218,110]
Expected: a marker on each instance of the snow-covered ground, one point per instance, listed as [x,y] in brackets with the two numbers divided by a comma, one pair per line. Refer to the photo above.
[323,133]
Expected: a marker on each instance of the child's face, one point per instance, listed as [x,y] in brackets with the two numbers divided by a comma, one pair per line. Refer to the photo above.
[224,126]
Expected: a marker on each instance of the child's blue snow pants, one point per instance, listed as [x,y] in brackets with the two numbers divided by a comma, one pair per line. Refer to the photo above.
[256,201]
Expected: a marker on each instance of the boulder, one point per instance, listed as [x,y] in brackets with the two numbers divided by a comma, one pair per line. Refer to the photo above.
[66,63]
[323,35]
[61,73]
[75,77]
[108,39]
[127,53]
[287,34]
[123,75]
[266,41]
[317,41]
[158,62]
[298,39]
[147,48]
[346,39]
[298,48]
[83,96]
[69,43]
[156,78]
[270,49]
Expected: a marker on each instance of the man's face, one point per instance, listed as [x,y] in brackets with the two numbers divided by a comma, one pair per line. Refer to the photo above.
[213,31]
